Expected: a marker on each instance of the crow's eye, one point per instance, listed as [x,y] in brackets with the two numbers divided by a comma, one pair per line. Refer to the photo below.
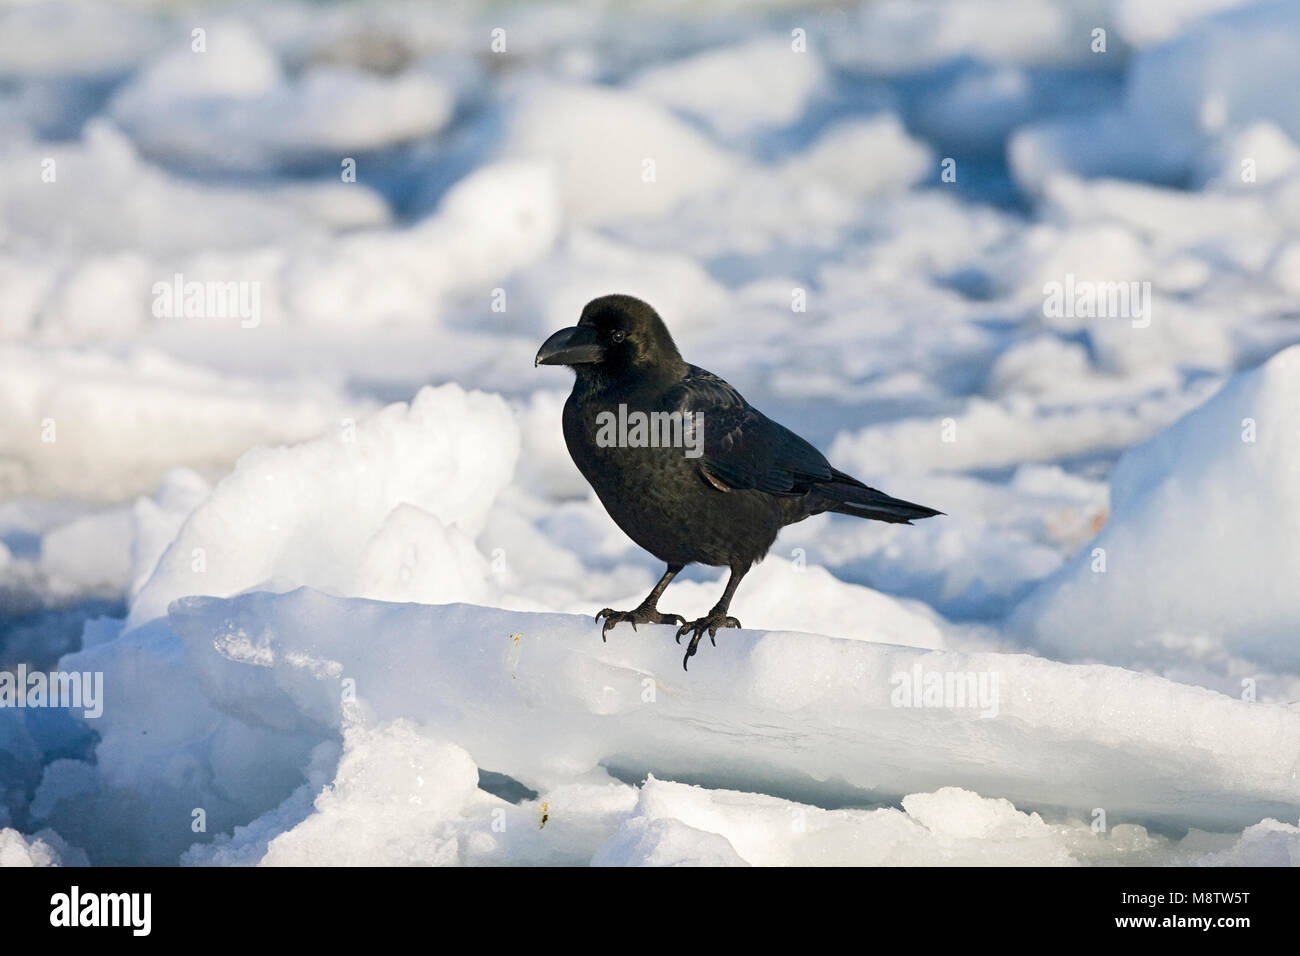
[619,335]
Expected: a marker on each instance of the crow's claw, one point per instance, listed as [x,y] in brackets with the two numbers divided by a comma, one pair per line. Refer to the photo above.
[704,625]
[640,615]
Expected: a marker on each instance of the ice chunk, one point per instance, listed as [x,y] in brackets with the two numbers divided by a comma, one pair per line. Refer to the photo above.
[230,106]
[616,155]
[1222,73]
[738,90]
[392,783]
[323,512]
[1147,589]
[778,712]
[665,842]
[1267,843]
[860,158]
[104,428]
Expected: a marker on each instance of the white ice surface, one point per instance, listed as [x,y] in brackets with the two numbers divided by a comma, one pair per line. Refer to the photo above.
[818,716]
[322,616]
[1204,527]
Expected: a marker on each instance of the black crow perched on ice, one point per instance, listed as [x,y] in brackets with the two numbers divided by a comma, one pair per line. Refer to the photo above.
[685,466]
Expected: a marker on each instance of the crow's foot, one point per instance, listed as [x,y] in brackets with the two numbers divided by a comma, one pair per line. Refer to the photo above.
[640,615]
[715,620]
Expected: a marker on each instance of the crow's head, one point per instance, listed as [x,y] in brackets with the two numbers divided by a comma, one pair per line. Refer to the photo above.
[616,334]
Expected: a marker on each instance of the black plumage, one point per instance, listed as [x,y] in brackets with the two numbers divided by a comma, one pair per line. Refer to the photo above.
[719,493]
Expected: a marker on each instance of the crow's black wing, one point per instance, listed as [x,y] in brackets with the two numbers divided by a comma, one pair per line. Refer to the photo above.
[743,448]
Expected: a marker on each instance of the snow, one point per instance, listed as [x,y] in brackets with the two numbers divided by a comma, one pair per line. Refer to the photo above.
[100,427]
[338,571]
[897,159]
[239,111]
[677,823]
[1146,23]
[109,199]
[1267,843]
[82,38]
[389,783]
[416,494]
[900,36]
[741,90]
[615,155]
[607,702]
[989,434]
[1233,464]
[1181,97]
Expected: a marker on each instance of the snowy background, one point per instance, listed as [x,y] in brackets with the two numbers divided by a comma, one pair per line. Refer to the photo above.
[338,571]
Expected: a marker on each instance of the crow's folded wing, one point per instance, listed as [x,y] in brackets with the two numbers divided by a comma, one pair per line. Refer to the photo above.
[743,448]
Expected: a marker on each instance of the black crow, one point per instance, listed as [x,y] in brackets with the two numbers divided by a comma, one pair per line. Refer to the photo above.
[685,466]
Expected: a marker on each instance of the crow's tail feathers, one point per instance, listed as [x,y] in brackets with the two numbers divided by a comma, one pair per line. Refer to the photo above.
[848,496]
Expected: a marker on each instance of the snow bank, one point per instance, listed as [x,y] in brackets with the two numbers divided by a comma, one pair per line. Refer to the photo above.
[1201,544]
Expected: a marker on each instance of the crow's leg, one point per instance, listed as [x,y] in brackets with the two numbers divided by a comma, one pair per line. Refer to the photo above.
[714,619]
[646,613]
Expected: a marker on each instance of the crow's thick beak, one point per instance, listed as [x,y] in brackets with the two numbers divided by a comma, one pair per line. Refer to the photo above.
[575,346]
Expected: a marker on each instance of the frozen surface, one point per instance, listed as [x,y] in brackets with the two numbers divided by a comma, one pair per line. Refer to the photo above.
[1227,473]
[98,427]
[238,109]
[411,486]
[1181,96]
[337,569]
[819,716]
